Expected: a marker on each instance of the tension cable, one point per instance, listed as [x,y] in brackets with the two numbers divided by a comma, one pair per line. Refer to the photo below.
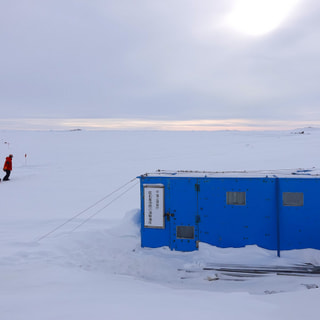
[90,207]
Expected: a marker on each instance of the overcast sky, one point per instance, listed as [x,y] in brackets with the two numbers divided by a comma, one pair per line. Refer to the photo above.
[168,59]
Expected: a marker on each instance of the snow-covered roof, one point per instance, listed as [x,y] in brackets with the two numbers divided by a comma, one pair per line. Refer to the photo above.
[279,173]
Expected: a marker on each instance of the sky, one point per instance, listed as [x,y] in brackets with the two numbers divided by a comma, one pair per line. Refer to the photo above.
[181,60]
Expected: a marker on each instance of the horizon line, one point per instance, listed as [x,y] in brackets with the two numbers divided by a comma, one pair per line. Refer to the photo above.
[113,124]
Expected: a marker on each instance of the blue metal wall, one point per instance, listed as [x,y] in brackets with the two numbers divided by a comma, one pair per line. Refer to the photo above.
[300,226]
[201,202]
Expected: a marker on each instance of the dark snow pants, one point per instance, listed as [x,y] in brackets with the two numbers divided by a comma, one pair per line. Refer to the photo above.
[6,177]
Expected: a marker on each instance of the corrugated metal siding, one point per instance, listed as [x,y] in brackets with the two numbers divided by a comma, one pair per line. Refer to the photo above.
[254,214]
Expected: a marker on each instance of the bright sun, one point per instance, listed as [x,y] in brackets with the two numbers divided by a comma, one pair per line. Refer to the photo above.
[258,17]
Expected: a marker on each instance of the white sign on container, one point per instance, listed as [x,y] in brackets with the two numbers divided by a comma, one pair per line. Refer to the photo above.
[153,206]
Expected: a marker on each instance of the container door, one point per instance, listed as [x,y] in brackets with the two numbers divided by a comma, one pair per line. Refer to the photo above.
[183,215]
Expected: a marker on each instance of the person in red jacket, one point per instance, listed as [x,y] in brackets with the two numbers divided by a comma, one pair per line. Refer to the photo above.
[7,168]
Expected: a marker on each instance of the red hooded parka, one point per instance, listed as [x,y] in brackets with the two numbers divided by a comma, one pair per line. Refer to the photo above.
[8,164]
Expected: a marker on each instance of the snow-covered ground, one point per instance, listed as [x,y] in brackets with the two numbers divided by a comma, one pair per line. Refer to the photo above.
[60,261]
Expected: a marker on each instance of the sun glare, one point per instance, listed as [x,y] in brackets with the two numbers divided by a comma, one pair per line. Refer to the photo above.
[258,17]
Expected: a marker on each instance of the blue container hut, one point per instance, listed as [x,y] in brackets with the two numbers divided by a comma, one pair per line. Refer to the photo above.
[273,210]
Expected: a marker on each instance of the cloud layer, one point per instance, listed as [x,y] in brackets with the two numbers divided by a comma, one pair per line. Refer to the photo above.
[155,59]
